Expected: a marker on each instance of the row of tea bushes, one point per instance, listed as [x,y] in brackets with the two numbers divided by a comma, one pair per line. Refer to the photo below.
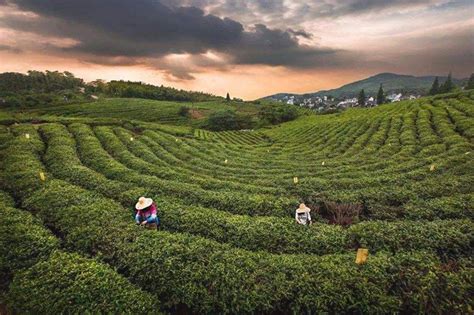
[33,270]
[211,277]
[93,155]
[70,284]
[279,235]
[23,240]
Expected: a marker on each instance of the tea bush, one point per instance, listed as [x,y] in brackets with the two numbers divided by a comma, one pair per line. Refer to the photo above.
[68,283]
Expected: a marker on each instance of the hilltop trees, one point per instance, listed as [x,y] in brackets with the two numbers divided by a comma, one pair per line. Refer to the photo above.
[49,81]
[447,86]
[362,98]
[227,98]
[148,91]
[380,96]
[470,83]
[435,87]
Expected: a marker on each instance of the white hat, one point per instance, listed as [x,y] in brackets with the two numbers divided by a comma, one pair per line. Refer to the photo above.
[143,203]
[303,209]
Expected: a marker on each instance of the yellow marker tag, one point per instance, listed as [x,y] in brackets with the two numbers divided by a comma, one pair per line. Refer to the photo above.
[225,161]
[469,152]
[176,139]
[432,167]
[295,180]
[131,139]
[362,254]
[323,163]
[27,135]
[42,176]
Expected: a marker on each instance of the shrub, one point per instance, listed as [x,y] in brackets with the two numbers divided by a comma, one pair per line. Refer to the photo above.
[183,111]
[70,284]
[341,213]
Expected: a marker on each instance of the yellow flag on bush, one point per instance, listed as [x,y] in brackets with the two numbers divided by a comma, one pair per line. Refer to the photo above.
[432,167]
[225,161]
[42,176]
[295,180]
[362,254]
[323,163]
[131,139]
[27,135]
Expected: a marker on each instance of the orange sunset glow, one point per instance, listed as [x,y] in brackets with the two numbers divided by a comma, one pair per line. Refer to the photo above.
[247,48]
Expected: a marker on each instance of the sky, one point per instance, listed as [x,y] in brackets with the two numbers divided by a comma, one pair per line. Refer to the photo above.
[249,48]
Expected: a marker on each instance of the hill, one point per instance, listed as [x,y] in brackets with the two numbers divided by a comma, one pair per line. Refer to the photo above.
[391,83]
[396,180]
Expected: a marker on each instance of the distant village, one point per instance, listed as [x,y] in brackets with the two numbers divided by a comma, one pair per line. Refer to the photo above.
[325,103]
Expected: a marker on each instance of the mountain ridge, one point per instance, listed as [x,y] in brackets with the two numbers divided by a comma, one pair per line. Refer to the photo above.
[391,82]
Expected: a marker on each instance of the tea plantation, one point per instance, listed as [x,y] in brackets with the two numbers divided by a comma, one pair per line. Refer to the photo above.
[228,243]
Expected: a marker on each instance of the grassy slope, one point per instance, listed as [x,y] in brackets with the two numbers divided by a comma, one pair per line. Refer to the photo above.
[143,110]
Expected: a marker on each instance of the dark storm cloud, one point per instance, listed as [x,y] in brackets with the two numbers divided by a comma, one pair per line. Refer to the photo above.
[148,28]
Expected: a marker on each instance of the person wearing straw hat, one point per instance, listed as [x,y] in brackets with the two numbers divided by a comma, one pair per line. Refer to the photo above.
[302,215]
[146,213]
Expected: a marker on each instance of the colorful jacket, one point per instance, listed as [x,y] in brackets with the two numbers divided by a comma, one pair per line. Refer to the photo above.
[149,214]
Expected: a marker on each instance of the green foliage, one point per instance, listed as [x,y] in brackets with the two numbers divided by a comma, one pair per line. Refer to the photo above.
[183,111]
[361,98]
[435,87]
[227,120]
[49,81]
[23,241]
[470,83]
[70,284]
[142,90]
[276,114]
[229,243]
[381,96]
[447,86]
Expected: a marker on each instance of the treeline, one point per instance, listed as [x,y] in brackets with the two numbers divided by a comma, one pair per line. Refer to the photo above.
[37,81]
[448,85]
[148,91]
[36,88]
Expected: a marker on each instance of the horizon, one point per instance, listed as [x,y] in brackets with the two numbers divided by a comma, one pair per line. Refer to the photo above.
[251,49]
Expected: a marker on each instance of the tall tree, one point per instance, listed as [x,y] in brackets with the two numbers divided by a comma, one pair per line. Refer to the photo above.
[435,87]
[470,83]
[380,95]
[448,85]
[361,99]
[227,98]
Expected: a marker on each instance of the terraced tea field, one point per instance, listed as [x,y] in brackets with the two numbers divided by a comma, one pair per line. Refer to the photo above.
[229,243]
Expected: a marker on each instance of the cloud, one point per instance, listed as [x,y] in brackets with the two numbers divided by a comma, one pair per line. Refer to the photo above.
[10,49]
[177,36]
[150,29]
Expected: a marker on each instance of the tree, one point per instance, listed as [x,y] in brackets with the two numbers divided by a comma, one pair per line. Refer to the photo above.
[470,83]
[361,99]
[227,98]
[435,87]
[447,86]
[183,111]
[275,114]
[380,96]
[223,120]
